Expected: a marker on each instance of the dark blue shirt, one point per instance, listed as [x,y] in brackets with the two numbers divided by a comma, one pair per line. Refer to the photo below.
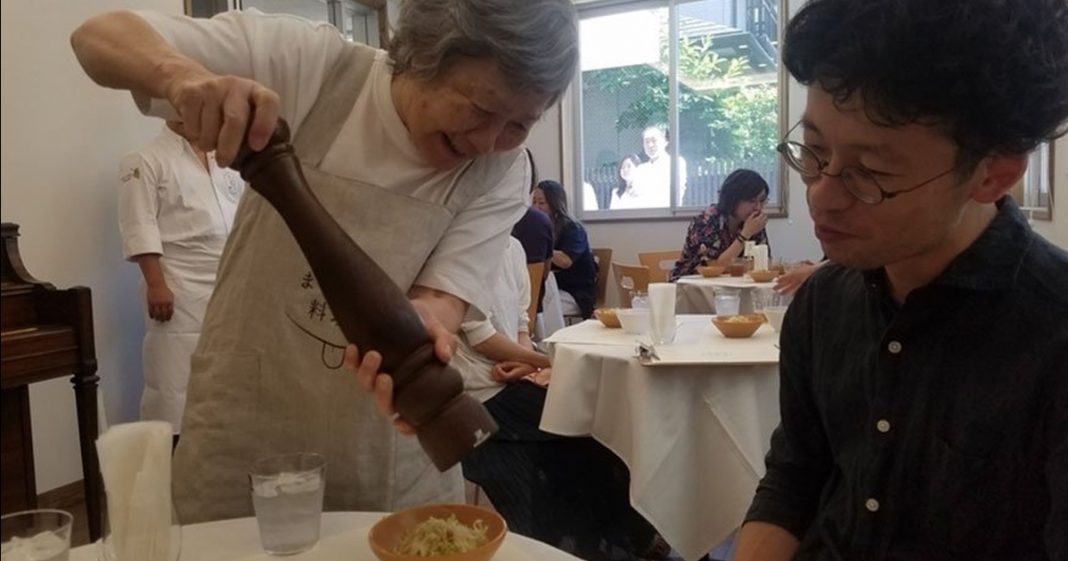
[933,430]
[535,231]
[580,279]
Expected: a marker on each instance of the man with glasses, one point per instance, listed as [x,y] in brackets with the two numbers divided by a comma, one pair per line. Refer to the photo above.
[924,383]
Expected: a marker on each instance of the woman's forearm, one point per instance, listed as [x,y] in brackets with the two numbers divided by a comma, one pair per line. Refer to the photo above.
[121,50]
[728,255]
[561,260]
[500,348]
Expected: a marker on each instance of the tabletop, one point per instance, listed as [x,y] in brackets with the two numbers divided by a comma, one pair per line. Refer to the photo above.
[695,294]
[343,538]
[693,436]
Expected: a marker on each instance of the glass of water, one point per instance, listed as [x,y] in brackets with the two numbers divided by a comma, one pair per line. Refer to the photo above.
[36,535]
[727,301]
[287,495]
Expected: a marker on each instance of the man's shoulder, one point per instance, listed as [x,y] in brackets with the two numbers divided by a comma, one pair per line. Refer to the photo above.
[1043,273]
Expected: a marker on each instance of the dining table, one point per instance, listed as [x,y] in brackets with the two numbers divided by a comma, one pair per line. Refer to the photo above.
[696,294]
[343,538]
[692,420]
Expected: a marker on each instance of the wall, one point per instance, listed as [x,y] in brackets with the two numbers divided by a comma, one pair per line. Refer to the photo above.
[61,141]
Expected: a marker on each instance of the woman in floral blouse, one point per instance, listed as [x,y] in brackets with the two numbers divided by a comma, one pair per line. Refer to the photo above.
[719,234]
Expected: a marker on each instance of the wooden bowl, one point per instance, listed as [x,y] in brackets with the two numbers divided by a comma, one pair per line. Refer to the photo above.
[607,317]
[388,532]
[739,326]
[711,270]
[763,276]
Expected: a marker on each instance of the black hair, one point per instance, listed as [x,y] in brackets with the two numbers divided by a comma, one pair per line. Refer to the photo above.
[992,74]
[533,168]
[740,185]
[557,199]
[621,185]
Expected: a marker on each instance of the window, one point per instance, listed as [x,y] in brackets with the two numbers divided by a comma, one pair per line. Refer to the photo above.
[672,96]
[1034,193]
[363,21]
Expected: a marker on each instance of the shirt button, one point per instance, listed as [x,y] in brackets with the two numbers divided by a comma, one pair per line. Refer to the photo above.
[894,347]
[882,425]
[872,505]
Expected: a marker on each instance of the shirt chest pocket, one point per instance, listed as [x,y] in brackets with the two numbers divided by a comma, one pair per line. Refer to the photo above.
[971,496]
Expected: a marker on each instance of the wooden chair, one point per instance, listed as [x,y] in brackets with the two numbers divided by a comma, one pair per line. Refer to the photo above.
[628,279]
[603,257]
[660,263]
[535,270]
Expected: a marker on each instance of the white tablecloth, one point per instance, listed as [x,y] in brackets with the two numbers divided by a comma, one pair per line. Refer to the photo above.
[693,437]
[344,538]
[695,293]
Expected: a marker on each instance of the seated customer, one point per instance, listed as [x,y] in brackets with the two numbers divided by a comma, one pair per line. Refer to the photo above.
[924,371]
[573,264]
[718,235]
[570,492]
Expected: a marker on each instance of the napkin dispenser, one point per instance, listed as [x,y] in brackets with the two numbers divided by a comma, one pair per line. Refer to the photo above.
[427,393]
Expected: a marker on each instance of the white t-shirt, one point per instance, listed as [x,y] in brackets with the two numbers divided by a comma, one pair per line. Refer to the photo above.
[507,316]
[291,56]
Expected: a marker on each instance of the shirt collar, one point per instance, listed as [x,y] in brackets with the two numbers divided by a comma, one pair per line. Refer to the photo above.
[993,260]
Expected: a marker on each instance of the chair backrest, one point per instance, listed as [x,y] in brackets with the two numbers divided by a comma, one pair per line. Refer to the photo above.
[628,279]
[535,270]
[603,257]
[660,263]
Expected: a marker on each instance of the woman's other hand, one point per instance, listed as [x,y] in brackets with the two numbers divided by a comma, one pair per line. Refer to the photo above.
[754,224]
[789,282]
[431,305]
[510,371]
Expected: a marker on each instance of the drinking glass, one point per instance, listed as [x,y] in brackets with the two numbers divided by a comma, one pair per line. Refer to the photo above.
[36,535]
[662,312]
[727,301]
[287,495]
[737,266]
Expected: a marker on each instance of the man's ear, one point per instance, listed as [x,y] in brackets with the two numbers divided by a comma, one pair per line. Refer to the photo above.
[998,173]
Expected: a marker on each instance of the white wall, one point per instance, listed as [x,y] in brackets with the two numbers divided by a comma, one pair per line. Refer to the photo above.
[61,141]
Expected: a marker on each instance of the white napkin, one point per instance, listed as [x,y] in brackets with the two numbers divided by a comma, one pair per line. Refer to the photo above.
[760,258]
[135,463]
[662,311]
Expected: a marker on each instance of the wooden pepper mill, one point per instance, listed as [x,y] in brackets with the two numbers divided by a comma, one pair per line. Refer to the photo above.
[371,310]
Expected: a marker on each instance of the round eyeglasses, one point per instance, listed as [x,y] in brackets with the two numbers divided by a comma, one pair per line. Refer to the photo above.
[857,181]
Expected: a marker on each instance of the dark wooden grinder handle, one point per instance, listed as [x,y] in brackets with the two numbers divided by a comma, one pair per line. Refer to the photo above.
[371,310]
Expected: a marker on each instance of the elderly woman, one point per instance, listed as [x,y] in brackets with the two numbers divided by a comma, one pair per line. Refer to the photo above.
[416,153]
[719,233]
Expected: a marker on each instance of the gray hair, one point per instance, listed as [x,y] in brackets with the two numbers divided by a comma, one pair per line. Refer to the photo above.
[533,42]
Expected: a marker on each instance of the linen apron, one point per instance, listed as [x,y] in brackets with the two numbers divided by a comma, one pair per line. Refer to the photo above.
[267,376]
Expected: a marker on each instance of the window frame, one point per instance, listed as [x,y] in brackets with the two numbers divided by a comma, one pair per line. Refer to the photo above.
[1019,191]
[572,158]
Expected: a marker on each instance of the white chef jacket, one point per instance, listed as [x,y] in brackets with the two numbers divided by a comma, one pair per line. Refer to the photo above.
[171,205]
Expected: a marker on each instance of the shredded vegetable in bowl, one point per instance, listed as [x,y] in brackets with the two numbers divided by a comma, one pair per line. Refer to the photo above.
[442,536]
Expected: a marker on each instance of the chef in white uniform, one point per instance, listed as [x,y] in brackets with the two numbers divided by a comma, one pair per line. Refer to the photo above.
[416,154]
[176,208]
